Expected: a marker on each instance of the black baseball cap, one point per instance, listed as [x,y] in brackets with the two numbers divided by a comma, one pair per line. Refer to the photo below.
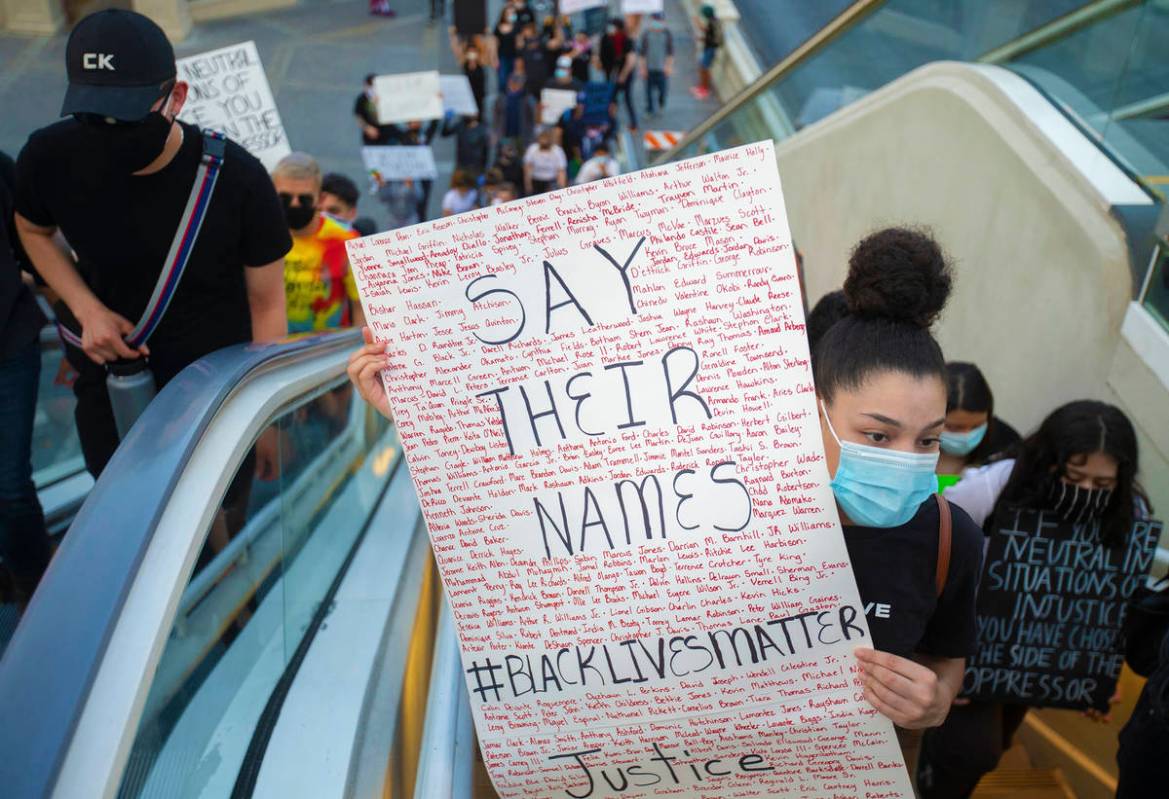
[119,63]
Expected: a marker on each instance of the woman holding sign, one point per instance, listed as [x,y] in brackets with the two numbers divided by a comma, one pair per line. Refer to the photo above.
[1080,466]
[881,384]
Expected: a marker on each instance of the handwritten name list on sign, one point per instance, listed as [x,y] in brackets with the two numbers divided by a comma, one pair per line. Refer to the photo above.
[230,93]
[606,403]
[1051,605]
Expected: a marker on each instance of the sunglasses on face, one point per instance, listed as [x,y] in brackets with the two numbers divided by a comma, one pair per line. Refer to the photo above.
[303,200]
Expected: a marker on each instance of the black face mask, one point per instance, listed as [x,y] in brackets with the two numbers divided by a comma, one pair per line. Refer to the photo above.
[127,147]
[297,216]
[1076,505]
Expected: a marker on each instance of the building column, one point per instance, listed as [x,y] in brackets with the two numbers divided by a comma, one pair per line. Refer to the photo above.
[36,17]
[173,16]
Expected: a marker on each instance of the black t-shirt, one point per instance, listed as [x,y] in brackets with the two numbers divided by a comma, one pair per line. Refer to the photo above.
[896,570]
[507,41]
[20,317]
[121,227]
[365,108]
[536,64]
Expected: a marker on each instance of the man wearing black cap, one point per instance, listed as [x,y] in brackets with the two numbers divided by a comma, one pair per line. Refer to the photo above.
[116,177]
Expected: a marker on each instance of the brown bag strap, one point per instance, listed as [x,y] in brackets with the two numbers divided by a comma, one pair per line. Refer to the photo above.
[945,528]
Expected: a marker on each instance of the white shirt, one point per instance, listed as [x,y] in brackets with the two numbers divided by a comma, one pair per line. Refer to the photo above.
[455,202]
[546,164]
[980,488]
[597,168]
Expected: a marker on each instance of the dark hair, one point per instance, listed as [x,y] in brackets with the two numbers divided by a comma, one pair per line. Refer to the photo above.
[369,79]
[341,187]
[967,390]
[898,282]
[1078,428]
[461,179]
[827,311]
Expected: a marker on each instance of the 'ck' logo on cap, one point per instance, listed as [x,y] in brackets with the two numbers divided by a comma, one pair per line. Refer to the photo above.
[98,61]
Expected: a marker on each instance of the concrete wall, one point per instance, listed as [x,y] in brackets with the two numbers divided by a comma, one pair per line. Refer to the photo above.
[1043,277]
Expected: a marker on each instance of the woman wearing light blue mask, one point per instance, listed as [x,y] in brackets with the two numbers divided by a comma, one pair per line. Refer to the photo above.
[881,383]
[973,434]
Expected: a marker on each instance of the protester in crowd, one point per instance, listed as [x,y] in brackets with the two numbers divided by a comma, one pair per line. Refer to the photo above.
[463,195]
[381,8]
[365,112]
[505,193]
[625,80]
[24,542]
[881,386]
[545,165]
[973,433]
[558,28]
[581,53]
[1081,465]
[505,35]
[489,185]
[1144,740]
[710,32]
[472,142]
[615,44]
[827,311]
[121,162]
[602,165]
[420,134]
[581,130]
[470,57]
[401,199]
[318,285]
[524,15]
[538,56]
[339,198]
[562,78]
[510,163]
[514,115]
[657,61]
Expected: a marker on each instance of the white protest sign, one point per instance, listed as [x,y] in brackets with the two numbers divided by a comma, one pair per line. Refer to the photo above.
[457,95]
[229,92]
[400,163]
[408,96]
[640,6]
[573,6]
[605,398]
[554,102]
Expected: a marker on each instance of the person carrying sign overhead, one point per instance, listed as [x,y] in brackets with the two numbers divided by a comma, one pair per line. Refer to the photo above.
[1081,464]
[172,227]
[881,385]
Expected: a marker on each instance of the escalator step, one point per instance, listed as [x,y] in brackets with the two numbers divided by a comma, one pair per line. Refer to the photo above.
[1029,783]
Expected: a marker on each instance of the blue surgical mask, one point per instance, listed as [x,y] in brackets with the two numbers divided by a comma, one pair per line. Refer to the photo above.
[962,443]
[881,487]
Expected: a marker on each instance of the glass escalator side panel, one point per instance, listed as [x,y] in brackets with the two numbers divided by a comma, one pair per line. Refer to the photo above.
[288,522]
[1156,299]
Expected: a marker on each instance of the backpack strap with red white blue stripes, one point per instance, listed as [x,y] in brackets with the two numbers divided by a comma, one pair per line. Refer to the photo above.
[214,146]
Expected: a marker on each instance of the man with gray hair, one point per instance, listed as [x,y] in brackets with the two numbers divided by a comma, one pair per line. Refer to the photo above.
[319,290]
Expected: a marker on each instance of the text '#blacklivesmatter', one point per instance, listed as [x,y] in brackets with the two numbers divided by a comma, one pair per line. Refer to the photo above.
[605,400]
[1051,605]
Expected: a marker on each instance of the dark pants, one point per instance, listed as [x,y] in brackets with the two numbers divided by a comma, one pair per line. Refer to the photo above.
[542,186]
[626,88]
[24,543]
[956,755]
[655,82]
[1144,743]
[503,72]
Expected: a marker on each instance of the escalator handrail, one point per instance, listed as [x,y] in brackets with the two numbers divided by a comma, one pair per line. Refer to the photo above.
[49,666]
[856,13]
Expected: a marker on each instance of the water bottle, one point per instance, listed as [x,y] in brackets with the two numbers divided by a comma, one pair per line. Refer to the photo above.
[131,388]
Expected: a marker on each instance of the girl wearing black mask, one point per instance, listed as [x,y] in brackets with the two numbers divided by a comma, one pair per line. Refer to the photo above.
[1082,465]
[973,433]
[881,383]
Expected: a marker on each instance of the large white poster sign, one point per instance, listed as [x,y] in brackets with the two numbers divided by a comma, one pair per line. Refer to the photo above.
[605,399]
[573,6]
[457,95]
[640,6]
[408,96]
[229,92]
[554,102]
[414,162]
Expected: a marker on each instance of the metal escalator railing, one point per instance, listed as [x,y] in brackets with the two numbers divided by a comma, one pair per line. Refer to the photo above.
[87,663]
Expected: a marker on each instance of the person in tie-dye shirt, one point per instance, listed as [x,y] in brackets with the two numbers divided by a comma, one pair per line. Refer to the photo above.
[318,285]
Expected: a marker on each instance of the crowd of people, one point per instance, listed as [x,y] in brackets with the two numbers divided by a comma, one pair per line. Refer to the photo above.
[268,258]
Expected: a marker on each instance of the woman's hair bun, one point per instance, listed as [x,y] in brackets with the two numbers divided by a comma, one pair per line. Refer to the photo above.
[899,274]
